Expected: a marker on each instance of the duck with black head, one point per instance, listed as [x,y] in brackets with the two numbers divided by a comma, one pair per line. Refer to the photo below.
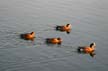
[28,36]
[64,28]
[87,49]
[54,40]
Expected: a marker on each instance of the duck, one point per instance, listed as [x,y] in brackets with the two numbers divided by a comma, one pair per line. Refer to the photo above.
[54,40]
[88,49]
[63,28]
[28,36]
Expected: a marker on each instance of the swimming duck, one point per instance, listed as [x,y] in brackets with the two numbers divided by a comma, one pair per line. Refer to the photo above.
[66,28]
[54,40]
[87,49]
[28,36]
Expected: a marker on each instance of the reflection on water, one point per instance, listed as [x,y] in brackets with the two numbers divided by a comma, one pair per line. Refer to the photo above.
[89,21]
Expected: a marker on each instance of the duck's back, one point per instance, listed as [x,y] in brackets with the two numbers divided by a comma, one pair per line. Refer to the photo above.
[88,50]
[54,41]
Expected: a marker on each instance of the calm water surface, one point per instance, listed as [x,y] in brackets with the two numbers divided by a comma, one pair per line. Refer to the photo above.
[89,19]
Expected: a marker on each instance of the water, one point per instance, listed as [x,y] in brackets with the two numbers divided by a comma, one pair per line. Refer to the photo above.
[89,21]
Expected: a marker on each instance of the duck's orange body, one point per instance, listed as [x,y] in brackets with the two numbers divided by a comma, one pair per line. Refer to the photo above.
[28,36]
[54,40]
[88,49]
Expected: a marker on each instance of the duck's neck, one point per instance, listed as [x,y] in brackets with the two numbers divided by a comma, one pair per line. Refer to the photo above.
[93,48]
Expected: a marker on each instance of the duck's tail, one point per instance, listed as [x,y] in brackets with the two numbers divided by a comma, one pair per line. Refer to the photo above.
[80,49]
[58,27]
[22,36]
[47,40]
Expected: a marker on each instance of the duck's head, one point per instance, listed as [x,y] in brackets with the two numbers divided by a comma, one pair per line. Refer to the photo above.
[32,33]
[67,25]
[93,44]
[59,39]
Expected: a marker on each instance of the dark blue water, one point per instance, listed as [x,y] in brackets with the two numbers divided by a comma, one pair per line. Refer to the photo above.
[89,24]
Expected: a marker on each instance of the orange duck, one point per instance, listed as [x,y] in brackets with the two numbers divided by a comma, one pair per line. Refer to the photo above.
[63,28]
[28,36]
[54,40]
[88,49]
